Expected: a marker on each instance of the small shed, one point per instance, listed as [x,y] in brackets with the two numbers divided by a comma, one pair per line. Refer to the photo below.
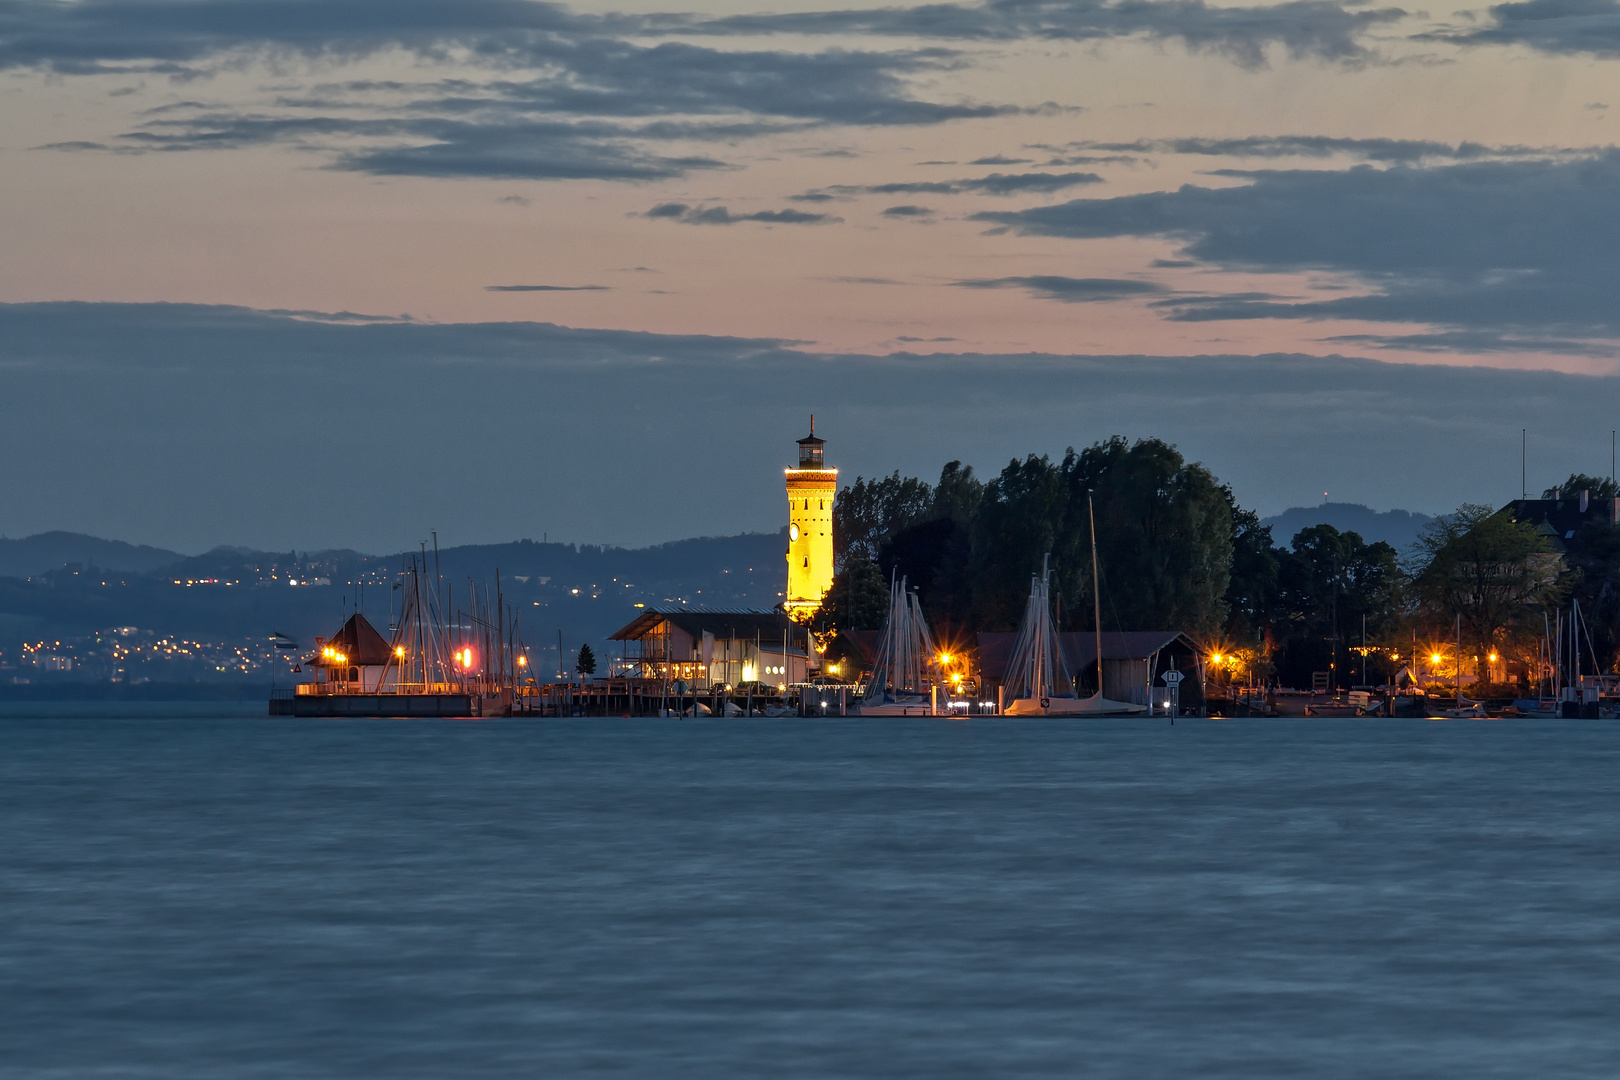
[1133,661]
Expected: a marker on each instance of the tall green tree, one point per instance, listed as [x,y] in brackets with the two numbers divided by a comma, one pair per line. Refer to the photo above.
[585,663]
[869,512]
[1594,486]
[1495,573]
[1023,516]
[1326,584]
[1164,534]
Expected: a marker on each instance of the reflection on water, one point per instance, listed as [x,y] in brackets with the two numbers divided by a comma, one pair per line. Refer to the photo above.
[190,895]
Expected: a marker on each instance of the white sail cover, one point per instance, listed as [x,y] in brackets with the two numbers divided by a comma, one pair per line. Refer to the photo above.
[1037,669]
[1038,681]
[906,663]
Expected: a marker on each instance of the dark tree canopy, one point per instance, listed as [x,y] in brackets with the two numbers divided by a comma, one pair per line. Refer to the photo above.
[1595,488]
[1492,572]
[1176,551]
[585,663]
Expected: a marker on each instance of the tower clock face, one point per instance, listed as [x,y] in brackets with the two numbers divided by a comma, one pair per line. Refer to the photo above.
[793,532]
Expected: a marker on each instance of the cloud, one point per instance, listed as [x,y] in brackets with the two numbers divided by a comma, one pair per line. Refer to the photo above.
[158,413]
[175,36]
[546,288]
[1515,246]
[998,159]
[907,211]
[994,184]
[1304,29]
[720,215]
[1473,342]
[1407,151]
[1067,289]
[1586,27]
[571,100]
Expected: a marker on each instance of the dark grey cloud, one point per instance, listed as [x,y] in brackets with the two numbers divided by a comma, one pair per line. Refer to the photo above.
[999,159]
[546,288]
[165,35]
[1514,247]
[1315,29]
[496,148]
[1588,27]
[189,426]
[177,35]
[994,184]
[1406,151]
[1473,342]
[1067,289]
[720,215]
[907,211]
[579,103]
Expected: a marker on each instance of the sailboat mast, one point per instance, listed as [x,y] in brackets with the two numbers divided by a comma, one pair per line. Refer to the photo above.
[1096,592]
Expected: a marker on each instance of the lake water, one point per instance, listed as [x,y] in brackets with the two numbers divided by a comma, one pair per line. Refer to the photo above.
[187,894]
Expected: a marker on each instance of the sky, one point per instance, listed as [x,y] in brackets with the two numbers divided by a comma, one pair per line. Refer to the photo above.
[335,272]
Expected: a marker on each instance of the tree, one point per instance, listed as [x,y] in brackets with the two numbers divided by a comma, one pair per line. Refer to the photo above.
[858,599]
[585,664]
[1326,585]
[1492,572]
[1251,589]
[958,493]
[1164,534]
[1021,518]
[1595,488]
[868,512]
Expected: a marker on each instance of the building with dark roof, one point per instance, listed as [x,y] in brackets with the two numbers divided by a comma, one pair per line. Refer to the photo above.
[716,648]
[353,660]
[1132,666]
[1560,520]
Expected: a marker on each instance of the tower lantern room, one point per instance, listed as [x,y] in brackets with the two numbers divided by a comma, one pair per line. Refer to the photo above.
[811,489]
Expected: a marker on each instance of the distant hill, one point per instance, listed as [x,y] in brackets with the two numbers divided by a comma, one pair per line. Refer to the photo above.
[585,591]
[1398,528]
[53,550]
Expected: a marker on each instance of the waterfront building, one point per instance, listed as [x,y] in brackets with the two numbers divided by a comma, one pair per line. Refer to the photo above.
[1133,665]
[353,661]
[1560,519]
[715,648]
[811,489]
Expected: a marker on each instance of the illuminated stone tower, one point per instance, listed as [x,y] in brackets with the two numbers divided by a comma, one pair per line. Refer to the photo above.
[811,489]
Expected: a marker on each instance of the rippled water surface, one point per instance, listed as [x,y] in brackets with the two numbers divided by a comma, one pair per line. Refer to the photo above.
[187,894]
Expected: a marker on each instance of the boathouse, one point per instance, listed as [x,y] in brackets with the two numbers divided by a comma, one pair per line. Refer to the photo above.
[1133,662]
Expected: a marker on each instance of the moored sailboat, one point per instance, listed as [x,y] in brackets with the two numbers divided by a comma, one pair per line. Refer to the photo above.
[905,673]
[1038,677]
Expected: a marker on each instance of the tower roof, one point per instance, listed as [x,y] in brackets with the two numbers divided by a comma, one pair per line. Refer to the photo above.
[810,439]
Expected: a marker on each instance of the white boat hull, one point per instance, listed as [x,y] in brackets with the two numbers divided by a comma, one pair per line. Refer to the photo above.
[1095,705]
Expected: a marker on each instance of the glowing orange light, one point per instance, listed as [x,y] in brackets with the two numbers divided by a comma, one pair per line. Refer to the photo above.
[1493,658]
[1435,658]
[399,650]
[523,661]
